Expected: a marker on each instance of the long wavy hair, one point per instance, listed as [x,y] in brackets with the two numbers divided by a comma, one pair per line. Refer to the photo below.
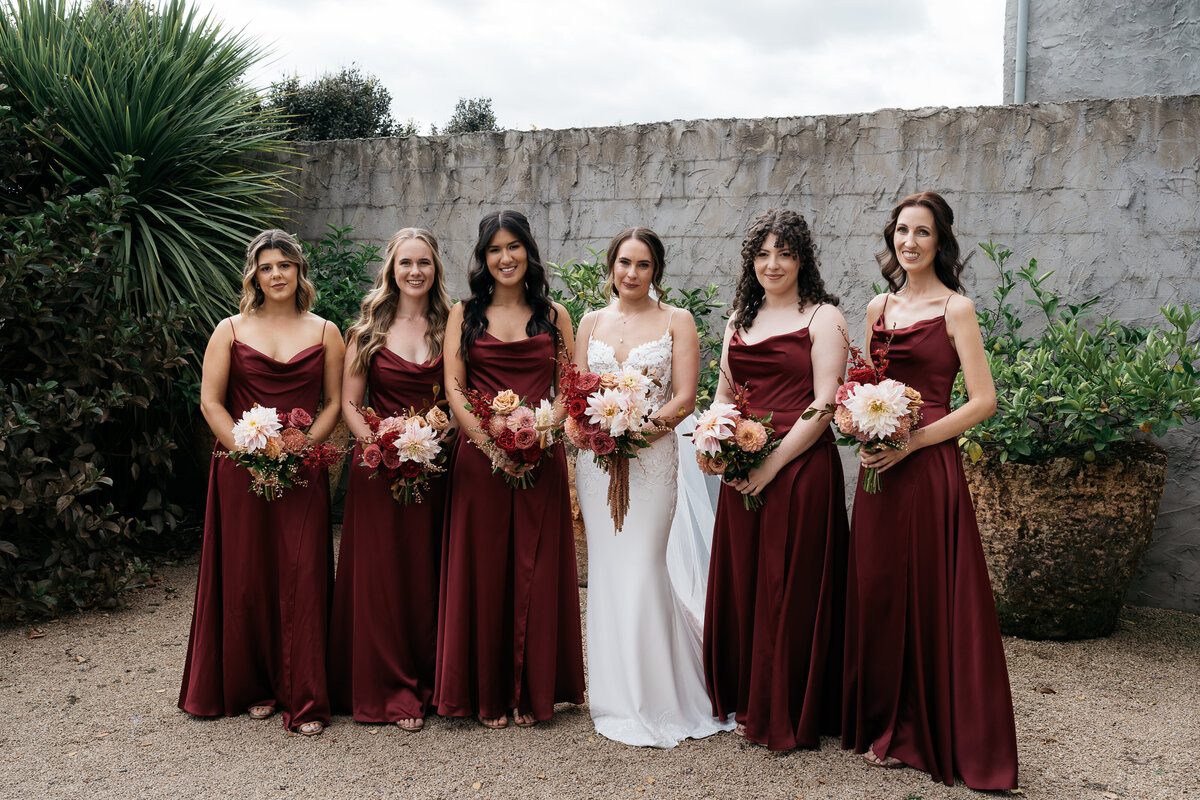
[537,290]
[286,244]
[947,262]
[658,258]
[369,332]
[791,230]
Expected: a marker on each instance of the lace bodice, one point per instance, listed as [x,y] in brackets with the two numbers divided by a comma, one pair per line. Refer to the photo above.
[652,358]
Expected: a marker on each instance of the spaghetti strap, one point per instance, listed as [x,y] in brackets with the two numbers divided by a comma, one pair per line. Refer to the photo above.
[670,317]
[232,329]
[948,299]
[813,315]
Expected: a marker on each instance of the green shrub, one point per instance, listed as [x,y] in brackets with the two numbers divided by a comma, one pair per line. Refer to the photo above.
[584,292]
[343,105]
[164,86]
[1075,390]
[470,116]
[340,269]
[84,451]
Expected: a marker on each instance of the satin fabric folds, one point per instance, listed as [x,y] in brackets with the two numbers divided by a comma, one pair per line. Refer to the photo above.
[266,568]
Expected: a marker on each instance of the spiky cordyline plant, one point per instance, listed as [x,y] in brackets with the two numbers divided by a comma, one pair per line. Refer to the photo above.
[165,86]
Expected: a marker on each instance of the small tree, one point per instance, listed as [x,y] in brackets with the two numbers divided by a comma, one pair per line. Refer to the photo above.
[348,104]
[471,116]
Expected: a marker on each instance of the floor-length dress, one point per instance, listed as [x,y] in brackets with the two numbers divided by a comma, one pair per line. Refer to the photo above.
[926,681]
[508,631]
[645,676]
[266,567]
[776,592]
[383,631]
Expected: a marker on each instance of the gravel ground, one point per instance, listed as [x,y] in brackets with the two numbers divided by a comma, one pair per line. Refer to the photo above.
[89,712]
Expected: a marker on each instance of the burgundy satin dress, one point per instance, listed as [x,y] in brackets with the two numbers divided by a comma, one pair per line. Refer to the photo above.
[383,632]
[509,632]
[266,567]
[926,681]
[773,619]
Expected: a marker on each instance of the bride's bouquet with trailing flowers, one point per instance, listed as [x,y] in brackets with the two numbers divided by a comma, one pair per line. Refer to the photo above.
[516,432]
[406,450]
[730,441]
[872,410]
[605,414]
[274,445]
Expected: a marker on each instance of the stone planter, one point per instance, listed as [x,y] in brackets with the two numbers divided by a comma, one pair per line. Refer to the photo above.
[1063,539]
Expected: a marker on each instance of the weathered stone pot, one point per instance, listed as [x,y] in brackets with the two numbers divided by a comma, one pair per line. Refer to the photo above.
[1063,539]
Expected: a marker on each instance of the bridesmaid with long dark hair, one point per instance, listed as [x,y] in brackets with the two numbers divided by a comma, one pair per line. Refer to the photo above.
[259,627]
[383,632]
[773,620]
[509,634]
[926,683]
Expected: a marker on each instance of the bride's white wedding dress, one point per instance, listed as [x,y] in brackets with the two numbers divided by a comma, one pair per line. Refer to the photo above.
[645,676]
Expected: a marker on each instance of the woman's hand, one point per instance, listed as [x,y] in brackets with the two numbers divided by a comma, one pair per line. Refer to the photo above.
[761,476]
[884,458]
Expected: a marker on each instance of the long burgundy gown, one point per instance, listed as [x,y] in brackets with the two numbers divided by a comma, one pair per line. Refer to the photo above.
[266,567]
[776,588]
[926,681]
[509,633]
[383,632]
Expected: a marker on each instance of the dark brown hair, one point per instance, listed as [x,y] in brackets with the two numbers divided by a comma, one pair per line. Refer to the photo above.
[790,229]
[658,257]
[947,264]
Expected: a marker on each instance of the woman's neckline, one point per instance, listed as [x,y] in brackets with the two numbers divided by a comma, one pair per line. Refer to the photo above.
[276,360]
[739,335]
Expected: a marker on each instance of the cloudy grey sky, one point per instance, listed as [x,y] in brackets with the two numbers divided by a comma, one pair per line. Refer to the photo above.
[570,64]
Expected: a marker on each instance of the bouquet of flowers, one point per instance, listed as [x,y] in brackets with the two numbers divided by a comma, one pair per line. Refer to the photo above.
[516,432]
[274,445]
[873,411]
[605,414]
[406,450]
[730,441]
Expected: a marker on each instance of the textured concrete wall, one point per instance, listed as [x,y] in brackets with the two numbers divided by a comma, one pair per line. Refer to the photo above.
[1105,192]
[1085,48]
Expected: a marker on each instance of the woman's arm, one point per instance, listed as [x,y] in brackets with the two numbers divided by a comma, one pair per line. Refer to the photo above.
[335,354]
[354,389]
[567,337]
[963,328]
[827,331]
[214,383]
[455,374]
[586,326]
[685,374]
[724,393]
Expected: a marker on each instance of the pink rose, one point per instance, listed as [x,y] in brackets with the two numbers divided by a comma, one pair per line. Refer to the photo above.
[602,443]
[299,418]
[588,382]
[391,459]
[525,437]
[372,456]
[844,391]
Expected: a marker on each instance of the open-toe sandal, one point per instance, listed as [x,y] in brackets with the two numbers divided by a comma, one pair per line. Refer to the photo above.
[311,728]
[885,763]
[494,723]
[260,712]
[411,725]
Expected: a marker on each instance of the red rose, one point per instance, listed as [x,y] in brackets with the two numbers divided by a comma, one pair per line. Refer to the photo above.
[387,440]
[525,438]
[532,455]
[299,418]
[576,407]
[507,440]
[410,469]
[283,419]
[602,443]
[391,459]
[322,456]
[861,375]
[372,456]
[588,382]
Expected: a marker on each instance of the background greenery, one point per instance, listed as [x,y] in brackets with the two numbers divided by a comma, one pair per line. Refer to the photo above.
[347,104]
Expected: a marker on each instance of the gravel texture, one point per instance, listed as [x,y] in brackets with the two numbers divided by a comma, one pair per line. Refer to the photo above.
[89,712]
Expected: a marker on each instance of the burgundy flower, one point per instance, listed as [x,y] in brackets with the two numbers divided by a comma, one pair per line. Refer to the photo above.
[602,443]
[525,438]
[391,459]
[299,418]
[372,456]
[576,407]
[588,382]
[507,440]
[532,455]
[861,375]
[410,469]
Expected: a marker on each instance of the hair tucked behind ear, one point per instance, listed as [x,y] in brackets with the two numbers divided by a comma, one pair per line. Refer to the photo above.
[947,262]
[791,230]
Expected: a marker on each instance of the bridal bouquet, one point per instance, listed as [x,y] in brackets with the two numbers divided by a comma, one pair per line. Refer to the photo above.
[605,414]
[873,411]
[406,450]
[274,445]
[730,441]
[516,432]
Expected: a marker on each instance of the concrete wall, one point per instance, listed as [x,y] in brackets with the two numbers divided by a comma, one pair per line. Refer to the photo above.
[1105,192]
[1087,48]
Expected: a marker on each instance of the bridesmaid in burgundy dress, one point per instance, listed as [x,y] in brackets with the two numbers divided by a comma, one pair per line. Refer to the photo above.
[266,569]
[508,634]
[774,615]
[383,632]
[926,683]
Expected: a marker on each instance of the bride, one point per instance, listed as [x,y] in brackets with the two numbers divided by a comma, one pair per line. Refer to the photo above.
[645,676]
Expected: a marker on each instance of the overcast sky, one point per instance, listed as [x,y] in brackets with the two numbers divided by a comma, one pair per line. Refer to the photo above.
[570,64]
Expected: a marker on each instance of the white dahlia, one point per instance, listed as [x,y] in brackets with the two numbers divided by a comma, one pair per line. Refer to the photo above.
[877,408]
[258,424]
[418,442]
[714,426]
[609,409]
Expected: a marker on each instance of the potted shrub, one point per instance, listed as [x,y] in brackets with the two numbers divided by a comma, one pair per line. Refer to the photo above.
[1065,481]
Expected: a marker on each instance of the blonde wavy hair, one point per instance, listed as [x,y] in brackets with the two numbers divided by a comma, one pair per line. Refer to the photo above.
[285,243]
[369,332]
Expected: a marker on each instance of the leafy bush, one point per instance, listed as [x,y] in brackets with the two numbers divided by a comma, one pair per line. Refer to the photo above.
[1075,391]
[584,282]
[83,451]
[340,269]
[347,104]
[165,86]
[470,116]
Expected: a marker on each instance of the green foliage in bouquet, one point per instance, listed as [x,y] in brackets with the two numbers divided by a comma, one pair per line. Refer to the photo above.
[84,386]
[1076,390]
[584,292]
[340,269]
